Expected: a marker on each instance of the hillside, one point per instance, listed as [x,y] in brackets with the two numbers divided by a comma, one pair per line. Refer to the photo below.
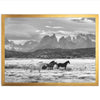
[50,42]
[53,53]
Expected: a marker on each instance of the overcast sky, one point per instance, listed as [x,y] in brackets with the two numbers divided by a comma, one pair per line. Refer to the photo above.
[36,28]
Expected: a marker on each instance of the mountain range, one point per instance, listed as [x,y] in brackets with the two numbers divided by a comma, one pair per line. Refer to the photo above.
[51,42]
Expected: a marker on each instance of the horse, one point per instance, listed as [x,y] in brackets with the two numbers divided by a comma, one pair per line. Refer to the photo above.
[44,66]
[49,66]
[63,64]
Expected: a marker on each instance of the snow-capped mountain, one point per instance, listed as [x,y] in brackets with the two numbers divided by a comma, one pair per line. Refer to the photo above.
[66,43]
[50,42]
[19,42]
[70,42]
[20,45]
[79,41]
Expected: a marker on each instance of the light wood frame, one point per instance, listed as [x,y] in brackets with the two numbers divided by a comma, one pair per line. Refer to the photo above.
[96,16]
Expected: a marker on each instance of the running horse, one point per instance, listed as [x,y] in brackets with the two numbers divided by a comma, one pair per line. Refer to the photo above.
[63,64]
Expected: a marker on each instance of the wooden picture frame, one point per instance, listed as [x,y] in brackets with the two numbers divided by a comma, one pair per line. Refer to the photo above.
[4,16]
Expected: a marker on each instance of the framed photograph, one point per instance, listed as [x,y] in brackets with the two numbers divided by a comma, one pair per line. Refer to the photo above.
[50,50]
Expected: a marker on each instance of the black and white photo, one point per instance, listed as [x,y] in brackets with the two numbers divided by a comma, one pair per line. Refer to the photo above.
[50,50]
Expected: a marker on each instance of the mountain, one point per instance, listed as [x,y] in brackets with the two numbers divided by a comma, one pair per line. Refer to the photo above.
[84,41]
[9,45]
[50,42]
[25,47]
[66,43]
[79,41]
[29,45]
[6,40]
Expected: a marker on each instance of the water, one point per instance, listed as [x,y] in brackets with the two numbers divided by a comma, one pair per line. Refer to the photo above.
[29,70]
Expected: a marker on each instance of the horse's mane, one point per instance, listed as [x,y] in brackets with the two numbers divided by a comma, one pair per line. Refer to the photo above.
[67,61]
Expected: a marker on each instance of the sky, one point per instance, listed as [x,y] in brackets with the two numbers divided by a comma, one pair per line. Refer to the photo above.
[36,28]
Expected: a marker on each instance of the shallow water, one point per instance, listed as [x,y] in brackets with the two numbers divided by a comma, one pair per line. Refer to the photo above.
[29,70]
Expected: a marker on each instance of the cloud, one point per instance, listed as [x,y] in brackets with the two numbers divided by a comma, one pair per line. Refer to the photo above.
[36,28]
[92,19]
[83,20]
[37,31]
[48,26]
[55,27]
[21,31]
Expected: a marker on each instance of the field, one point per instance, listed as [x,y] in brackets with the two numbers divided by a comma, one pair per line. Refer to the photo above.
[29,70]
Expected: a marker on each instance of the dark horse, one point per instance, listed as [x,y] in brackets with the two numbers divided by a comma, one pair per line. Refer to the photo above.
[44,66]
[63,64]
[49,66]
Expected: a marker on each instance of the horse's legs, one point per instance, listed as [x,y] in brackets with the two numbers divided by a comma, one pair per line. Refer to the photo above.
[65,67]
[51,68]
[58,67]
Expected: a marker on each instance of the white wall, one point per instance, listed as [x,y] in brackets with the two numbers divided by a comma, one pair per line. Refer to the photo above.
[49,7]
